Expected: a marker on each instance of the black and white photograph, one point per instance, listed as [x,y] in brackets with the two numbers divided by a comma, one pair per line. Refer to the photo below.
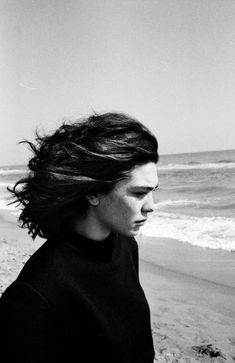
[117,181]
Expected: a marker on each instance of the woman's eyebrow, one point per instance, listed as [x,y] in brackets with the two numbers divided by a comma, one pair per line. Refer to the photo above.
[147,188]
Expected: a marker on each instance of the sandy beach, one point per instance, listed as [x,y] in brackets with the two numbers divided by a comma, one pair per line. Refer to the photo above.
[191,293]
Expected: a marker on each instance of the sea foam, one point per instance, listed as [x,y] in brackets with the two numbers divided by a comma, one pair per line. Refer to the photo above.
[211,232]
[12,171]
[216,165]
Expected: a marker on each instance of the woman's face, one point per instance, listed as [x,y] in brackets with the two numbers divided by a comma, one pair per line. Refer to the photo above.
[126,208]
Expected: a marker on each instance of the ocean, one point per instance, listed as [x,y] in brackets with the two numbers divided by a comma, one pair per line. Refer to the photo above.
[195,201]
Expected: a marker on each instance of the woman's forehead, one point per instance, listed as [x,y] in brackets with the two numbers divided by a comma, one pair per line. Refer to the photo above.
[141,176]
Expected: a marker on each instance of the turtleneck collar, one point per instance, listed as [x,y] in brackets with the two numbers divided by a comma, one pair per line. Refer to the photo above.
[101,250]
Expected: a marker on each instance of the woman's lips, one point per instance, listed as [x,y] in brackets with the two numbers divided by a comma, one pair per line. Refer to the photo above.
[141,223]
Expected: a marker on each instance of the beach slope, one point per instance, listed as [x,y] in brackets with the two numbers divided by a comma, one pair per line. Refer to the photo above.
[191,293]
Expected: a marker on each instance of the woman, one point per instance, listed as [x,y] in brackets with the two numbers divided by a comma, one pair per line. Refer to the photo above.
[78,298]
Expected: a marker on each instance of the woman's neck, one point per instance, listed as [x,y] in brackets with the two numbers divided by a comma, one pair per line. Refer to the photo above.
[88,226]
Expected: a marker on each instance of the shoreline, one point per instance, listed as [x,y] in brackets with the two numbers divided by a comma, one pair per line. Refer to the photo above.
[16,246]
[188,307]
[214,265]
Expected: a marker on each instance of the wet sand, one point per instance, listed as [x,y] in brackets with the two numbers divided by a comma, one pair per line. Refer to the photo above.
[191,293]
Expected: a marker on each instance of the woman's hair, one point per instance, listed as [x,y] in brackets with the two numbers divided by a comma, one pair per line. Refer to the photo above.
[84,157]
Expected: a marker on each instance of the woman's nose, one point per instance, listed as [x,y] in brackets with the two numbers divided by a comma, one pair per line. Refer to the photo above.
[148,205]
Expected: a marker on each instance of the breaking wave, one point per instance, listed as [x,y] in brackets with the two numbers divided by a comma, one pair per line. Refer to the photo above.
[210,232]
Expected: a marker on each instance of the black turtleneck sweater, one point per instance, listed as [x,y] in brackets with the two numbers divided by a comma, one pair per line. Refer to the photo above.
[77,300]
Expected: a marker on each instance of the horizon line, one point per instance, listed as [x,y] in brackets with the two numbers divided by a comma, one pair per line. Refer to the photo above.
[161,154]
[196,152]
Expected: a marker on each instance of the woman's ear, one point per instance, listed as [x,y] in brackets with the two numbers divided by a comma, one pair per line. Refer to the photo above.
[93,199]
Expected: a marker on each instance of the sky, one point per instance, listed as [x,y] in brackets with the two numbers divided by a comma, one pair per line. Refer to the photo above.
[168,63]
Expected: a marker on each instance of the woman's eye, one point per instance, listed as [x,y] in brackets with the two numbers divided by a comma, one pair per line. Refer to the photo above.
[139,194]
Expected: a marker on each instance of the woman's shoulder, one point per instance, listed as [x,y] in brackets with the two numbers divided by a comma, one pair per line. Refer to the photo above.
[47,256]
[20,293]
[44,269]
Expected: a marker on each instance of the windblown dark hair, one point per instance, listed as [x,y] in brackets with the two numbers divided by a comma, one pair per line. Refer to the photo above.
[84,157]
